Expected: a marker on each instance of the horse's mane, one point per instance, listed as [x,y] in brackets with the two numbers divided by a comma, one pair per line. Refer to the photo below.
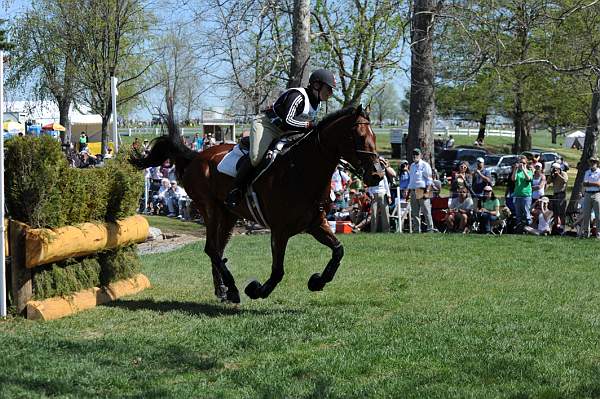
[329,118]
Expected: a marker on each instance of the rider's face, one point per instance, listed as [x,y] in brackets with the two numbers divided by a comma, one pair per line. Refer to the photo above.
[326,92]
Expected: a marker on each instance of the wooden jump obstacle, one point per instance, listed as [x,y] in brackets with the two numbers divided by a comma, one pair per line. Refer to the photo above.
[30,248]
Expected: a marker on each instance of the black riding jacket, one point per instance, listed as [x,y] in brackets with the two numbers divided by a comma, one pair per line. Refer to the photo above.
[289,106]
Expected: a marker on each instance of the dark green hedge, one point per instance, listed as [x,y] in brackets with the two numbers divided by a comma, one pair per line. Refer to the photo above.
[69,276]
[42,190]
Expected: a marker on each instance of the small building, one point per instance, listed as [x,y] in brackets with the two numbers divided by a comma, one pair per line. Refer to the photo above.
[217,123]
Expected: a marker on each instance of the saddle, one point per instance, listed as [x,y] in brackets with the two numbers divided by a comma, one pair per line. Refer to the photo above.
[231,162]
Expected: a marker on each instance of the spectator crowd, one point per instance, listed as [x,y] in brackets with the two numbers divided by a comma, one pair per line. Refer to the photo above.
[533,203]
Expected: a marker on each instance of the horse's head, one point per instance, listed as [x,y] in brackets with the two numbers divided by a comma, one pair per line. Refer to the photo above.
[358,147]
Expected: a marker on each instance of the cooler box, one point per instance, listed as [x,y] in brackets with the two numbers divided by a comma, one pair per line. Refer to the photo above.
[343,227]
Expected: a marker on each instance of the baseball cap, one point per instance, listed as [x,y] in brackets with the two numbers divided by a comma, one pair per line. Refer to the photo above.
[487,188]
[555,165]
[545,199]
[594,159]
[416,151]
[537,165]
[480,160]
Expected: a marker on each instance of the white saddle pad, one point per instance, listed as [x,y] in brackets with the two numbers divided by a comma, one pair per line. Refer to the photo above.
[229,161]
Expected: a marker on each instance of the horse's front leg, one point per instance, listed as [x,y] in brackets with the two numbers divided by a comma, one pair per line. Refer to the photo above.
[324,235]
[254,289]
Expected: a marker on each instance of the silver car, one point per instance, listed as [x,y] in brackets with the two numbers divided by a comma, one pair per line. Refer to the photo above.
[500,166]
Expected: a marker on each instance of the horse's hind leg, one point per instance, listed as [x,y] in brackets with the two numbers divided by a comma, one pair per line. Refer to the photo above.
[218,232]
[324,235]
[255,290]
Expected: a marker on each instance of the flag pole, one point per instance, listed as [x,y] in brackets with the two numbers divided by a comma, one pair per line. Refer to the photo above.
[3,296]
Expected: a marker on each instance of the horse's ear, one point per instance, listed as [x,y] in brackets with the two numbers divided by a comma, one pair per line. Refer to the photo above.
[359,109]
[368,109]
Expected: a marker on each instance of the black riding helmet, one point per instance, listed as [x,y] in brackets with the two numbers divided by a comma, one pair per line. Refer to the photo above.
[322,76]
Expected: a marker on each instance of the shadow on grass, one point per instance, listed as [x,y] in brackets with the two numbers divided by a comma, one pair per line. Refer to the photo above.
[194,308]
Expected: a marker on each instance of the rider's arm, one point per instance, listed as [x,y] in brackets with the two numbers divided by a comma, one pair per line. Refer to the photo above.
[291,108]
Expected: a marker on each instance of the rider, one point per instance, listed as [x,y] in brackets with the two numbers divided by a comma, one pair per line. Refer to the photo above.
[295,110]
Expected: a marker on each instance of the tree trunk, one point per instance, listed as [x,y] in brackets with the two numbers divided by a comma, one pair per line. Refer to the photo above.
[518,119]
[63,110]
[554,133]
[589,146]
[300,44]
[422,95]
[482,125]
[104,140]
[526,134]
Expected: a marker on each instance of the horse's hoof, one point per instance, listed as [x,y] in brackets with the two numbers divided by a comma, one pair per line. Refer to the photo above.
[233,296]
[315,282]
[221,293]
[253,289]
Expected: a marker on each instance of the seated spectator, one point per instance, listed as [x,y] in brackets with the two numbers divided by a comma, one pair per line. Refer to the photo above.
[541,218]
[489,210]
[159,200]
[361,220]
[86,160]
[339,207]
[109,153]
[173,195]
[184,205]
[459,212]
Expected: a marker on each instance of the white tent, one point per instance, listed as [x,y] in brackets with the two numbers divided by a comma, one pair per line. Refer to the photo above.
[570,139]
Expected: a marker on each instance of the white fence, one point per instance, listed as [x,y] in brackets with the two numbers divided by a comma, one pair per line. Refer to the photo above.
[396,134]
[155,131]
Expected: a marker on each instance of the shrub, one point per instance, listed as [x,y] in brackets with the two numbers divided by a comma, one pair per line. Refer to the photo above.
[72,275]
[119,264]
[44,191]
[34,169]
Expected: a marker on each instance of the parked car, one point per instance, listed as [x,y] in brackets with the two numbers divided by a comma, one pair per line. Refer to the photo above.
[546,158]
[500,166]
[448,160]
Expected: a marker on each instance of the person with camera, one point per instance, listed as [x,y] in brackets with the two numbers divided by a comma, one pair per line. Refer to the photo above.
[558,204]
[420,181]
[522,177]
[591,198]
[542,219]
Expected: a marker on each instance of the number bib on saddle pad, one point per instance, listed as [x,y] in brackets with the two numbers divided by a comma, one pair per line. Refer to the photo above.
[228,164]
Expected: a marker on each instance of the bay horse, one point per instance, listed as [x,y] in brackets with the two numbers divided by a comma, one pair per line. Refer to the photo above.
[293,193]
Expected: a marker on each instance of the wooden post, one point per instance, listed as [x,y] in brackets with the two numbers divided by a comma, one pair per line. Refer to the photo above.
[22,285]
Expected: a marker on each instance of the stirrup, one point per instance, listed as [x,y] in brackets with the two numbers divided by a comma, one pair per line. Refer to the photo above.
[233,197]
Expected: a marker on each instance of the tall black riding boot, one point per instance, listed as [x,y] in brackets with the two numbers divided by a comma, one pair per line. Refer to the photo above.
[239,184]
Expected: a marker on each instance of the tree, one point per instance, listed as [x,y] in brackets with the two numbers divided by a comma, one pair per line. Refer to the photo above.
[358,39]
[114,34]
[178,71]
[422,91]
[247,47]
[48,54]
[299,67]
[385,103]
[5,45]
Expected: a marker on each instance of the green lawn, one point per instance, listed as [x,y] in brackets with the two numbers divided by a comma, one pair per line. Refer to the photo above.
[429,316]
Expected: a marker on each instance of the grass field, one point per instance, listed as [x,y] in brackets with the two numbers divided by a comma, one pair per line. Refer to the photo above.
[427,316]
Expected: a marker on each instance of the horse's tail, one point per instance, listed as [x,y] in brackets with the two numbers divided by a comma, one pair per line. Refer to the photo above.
[166,147]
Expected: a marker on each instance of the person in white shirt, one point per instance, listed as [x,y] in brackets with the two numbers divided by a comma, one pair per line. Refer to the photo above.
[339,180]
[380,213]
[172,197]
[591,198]
[419,187]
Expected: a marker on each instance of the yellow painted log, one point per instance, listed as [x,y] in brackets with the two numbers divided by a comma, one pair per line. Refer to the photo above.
[49,245]
[57,307]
